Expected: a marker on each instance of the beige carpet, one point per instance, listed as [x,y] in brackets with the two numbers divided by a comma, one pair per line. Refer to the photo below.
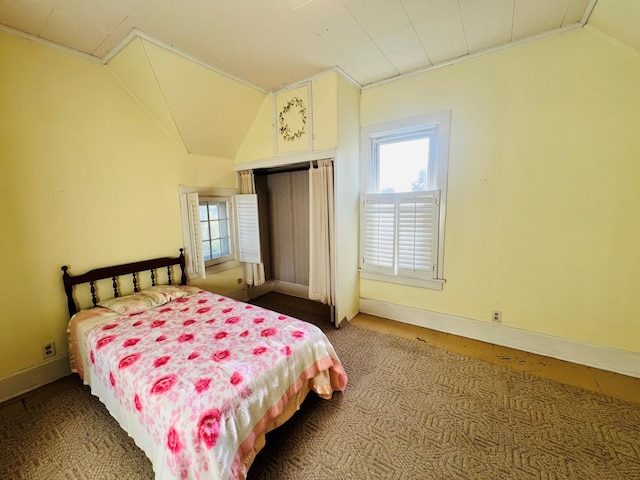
[410,411]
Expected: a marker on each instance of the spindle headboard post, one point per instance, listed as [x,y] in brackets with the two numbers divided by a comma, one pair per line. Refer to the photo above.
[115,271]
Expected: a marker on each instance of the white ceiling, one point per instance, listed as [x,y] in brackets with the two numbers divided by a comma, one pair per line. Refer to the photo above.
[271,43]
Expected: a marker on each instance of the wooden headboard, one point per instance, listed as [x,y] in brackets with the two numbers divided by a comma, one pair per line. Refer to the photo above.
[116,271]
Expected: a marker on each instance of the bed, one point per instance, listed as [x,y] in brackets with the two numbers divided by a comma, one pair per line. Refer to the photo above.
[195,378]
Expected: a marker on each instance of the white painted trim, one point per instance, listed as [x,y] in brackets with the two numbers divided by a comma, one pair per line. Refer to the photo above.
[480,53]
[625,46]
[287,159]
[259,290]
[587,12]
[179,52]
[132,35]
[430,283]
[315,76]
[121,45]
[34,377]
[135,33]
[48,43]
[293,289]
[611,359]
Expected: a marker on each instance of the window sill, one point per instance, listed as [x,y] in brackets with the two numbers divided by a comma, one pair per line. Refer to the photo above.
[430,283]
[221,267]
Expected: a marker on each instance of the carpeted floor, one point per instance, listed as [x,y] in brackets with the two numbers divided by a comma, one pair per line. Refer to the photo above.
[410,411]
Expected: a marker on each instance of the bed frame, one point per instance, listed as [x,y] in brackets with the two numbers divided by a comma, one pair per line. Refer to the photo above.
[133,269]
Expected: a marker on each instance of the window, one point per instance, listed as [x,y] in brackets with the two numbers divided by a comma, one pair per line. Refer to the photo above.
[219,228]
[215,228]
[404,182]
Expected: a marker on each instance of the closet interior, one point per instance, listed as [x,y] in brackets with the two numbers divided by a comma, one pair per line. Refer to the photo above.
[283,209]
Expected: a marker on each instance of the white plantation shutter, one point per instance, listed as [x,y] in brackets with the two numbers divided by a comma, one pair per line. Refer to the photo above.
[417,234]
[195,257]
[248,228]
[400,233]
[379,225]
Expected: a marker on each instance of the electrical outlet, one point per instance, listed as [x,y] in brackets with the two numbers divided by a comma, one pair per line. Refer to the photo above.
[49,350]
[496,316]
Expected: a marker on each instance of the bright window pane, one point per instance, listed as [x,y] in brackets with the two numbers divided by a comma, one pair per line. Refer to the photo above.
[215,248]
[223,226]
[206,250]
[204,230]
[215,229]
[213,210]
[403,165]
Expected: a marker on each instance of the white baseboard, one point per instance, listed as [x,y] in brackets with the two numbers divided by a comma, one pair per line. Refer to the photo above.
[266,287]
[34,377]
[293,289]
[611,359]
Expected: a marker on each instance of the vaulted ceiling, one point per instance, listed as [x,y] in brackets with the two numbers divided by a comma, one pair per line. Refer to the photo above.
[180,59]
[271,43]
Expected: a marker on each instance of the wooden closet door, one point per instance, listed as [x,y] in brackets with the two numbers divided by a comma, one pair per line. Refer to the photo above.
[288,204]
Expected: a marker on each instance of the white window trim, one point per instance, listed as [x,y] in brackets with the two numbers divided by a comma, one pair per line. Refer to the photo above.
[195,264]
[430,283]
[440,122]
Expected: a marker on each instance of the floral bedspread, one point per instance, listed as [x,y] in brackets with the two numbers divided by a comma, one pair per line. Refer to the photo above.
[193,380]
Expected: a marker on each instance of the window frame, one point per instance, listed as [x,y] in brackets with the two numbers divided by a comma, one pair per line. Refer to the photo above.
[437,127]
[232,238]
[430,132]
[194,269]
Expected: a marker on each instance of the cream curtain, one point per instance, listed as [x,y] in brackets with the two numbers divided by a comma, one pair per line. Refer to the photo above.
[321,232]
[253,272]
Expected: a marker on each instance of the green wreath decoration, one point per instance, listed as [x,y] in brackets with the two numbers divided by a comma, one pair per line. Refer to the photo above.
[285,130]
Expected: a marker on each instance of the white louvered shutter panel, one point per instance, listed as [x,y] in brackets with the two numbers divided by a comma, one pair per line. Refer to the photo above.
[248,228]
[195,258]
[379,224]
[417,233]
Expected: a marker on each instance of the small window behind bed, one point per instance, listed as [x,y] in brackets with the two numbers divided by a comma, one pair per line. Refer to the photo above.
[215,229]
[220,229]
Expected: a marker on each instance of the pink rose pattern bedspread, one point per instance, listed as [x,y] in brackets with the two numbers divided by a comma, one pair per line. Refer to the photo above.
[191,380]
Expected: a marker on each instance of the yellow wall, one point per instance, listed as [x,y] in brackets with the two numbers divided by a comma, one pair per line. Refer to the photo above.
[543,203]
[618,18]
[347,197]
[88,180]
[259,141]
[225,282]
[325,111]
[212,111]
[544,199]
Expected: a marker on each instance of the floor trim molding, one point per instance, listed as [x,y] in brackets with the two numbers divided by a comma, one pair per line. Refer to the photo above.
[280,286]
[34,377]
[605,358]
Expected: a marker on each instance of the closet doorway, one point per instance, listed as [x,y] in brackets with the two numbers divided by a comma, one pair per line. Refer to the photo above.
[284,215]
[283,202]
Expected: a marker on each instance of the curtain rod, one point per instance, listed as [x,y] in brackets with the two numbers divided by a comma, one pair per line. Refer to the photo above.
[293,167]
